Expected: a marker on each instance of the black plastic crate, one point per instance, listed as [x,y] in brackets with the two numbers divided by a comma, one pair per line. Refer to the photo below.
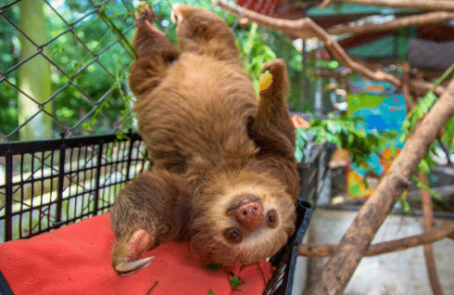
[52,183]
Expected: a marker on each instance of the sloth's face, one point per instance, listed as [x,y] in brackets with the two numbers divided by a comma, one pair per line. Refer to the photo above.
[243,223]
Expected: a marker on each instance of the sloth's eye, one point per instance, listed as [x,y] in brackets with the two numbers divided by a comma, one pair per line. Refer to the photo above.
[271,218]
[233,235]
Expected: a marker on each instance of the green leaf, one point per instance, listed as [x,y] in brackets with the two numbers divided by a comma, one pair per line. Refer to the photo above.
[448,135]
[235,282]
[404,205]
[298,154]
[212,266]
[435,195]
[424,166]
[210,292]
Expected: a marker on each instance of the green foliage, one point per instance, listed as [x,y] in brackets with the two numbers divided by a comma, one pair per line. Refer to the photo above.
[426,187]
[346,134]
[254,54]
[418,113]
[91,66]
[9,52]
[99,88]
[212,266]
[259,45]
[210,292]
[89,86]
[404,205]
[448,135]
[235,282]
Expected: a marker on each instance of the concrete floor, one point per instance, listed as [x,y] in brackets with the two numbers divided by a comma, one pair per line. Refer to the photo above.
[398,273]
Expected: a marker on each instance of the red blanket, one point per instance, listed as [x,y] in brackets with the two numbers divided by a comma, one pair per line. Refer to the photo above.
[76,260]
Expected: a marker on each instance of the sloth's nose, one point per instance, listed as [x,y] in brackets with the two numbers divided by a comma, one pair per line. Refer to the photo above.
[250,215]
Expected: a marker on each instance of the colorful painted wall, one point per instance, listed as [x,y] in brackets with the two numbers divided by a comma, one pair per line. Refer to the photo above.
[382,109]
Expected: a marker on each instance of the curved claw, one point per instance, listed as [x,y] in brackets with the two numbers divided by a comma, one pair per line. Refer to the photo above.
[144,9]
[126,254]
[147,16]
[128,268]
[176,13]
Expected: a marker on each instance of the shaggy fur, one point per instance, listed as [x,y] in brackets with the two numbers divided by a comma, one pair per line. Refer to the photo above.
[214,146]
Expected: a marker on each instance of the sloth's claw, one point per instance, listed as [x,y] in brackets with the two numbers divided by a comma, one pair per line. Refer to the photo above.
[128,268]
[127,262]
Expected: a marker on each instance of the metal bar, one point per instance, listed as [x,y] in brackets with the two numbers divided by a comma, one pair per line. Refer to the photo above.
[98,176]
[128,163]
[9,195]
[61,180]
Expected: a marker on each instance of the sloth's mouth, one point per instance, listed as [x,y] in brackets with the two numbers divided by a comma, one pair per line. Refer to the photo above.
[241,200]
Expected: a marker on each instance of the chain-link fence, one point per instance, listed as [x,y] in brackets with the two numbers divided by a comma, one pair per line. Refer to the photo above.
[64,64]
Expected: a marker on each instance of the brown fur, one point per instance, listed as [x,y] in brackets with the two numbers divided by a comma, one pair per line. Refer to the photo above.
[211,141]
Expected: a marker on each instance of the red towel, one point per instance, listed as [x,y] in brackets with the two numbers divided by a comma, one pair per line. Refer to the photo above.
[76,260]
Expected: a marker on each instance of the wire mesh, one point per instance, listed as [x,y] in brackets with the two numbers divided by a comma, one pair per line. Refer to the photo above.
[64,64]
[63,181]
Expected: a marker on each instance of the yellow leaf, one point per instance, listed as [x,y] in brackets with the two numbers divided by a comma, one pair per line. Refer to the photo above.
[265,81]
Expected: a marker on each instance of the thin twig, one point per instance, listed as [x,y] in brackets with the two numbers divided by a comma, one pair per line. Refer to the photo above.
[323,250]
[324,4]
[427,210]
[429,5]
[414,20]
[155,283]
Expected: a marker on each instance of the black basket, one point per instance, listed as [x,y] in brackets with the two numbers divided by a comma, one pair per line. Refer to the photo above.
[52,183]
[285,260]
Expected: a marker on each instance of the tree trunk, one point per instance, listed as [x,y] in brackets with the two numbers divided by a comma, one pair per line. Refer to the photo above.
[34,74]
[353,246]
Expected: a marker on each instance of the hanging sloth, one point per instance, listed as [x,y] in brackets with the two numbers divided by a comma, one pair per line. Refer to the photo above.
[224,174]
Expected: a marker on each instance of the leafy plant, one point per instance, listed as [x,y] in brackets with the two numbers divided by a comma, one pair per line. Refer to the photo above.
[417,114]
[212,266]
[346,134]
[255,54]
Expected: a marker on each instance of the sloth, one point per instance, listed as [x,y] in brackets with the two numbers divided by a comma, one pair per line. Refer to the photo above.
[224,175]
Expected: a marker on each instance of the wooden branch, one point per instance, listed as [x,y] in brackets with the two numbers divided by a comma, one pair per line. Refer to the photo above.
[421,19]
[344,261]
[421,86]
[406,87]
[305,28]
[427,210]
[429,5]
[322,250]
[324,4]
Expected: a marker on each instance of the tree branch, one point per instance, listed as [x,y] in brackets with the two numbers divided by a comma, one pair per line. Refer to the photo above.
[322,250]
[427,209]
[406,86]
[430,5]
[324,4]
[344,261]
[305,28]
[422,19]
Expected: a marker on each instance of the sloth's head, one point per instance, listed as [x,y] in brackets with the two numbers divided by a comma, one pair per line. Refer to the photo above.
[242,218]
